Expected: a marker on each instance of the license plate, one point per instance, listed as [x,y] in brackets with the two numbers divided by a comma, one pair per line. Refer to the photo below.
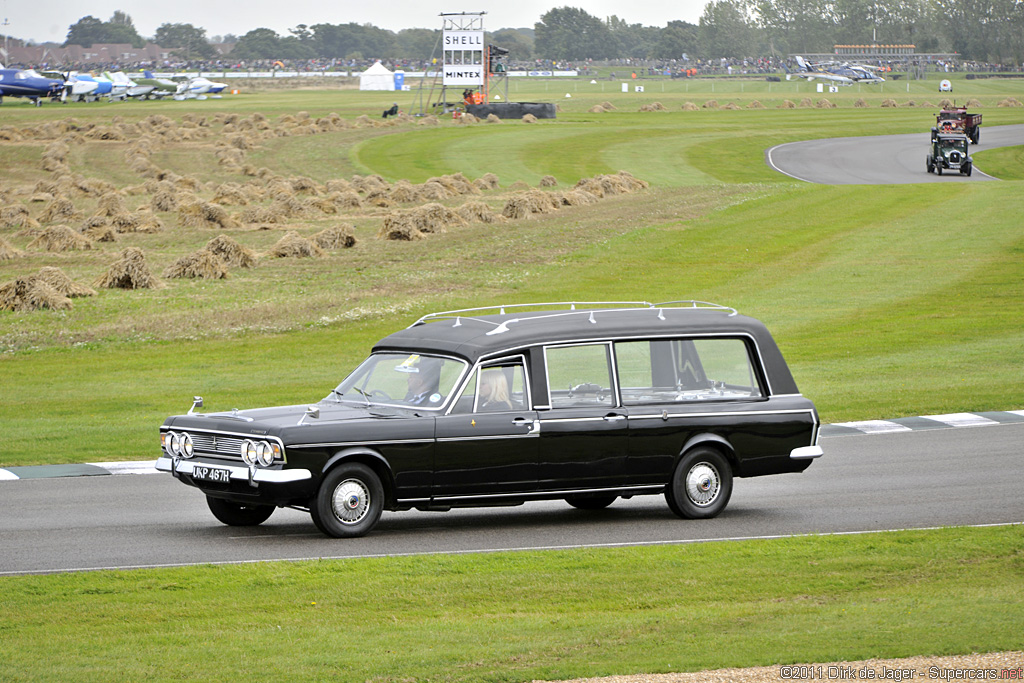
[212,474]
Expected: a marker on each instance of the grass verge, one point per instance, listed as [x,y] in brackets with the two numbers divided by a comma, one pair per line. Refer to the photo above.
[524,616]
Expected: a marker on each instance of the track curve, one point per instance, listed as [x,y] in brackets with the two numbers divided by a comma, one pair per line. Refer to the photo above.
[878,160]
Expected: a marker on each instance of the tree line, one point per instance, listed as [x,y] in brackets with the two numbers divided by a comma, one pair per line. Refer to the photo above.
[979,30]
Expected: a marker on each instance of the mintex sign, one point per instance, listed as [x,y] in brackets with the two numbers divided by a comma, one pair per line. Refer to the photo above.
[463,57]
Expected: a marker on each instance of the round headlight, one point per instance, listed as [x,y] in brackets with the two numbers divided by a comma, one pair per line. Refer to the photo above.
[175,443]
[187,449]
[265,454]
[249,452]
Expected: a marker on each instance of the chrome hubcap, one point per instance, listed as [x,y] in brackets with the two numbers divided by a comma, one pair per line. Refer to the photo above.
[703,484]
[351,501]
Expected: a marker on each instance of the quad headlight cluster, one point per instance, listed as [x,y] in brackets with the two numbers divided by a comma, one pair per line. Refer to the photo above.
[262,452]
[179,444]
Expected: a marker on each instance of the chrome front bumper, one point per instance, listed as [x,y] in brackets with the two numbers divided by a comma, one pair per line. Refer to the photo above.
[253,475]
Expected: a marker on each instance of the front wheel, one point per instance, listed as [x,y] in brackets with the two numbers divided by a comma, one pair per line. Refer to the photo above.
[349,502]
[236,514]
[967,170]
[929,165]
[701,484]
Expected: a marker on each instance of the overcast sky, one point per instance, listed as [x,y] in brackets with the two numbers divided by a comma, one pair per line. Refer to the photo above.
[50,19]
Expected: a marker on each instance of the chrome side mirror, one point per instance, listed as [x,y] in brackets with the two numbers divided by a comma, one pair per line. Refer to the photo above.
[197,402]
[311,412]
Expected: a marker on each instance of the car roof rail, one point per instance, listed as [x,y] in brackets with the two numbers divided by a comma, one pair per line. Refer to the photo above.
[574,308]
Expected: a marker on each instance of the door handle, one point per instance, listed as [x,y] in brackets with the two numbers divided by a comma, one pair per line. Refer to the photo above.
[534,425]
[614,418]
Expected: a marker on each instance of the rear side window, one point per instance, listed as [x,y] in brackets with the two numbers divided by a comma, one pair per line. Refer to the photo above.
[686,370]
[579,376]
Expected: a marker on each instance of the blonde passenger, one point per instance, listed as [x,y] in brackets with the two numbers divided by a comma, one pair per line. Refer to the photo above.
[494,391]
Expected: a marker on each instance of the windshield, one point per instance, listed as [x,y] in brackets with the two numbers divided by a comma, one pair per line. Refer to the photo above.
[401,379]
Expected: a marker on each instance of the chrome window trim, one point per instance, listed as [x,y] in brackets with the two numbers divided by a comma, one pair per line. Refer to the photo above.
[487,361]
[609,358]
[448,399]
[376,442]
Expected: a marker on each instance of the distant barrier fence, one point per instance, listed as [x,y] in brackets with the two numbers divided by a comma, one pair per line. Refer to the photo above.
[320,74]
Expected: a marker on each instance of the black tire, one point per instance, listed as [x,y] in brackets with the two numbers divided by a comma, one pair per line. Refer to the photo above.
[938,169]
[590,502]
[236,514]
[349,502]
[701,484]
[929,165]
[967,170]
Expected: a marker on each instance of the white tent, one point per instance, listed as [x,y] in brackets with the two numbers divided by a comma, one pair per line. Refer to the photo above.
[377,77]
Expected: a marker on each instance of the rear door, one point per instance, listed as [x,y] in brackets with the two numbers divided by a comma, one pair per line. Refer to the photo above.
[584,432]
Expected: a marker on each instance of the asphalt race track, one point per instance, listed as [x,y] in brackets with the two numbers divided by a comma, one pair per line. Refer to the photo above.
[879,160]
[864,482]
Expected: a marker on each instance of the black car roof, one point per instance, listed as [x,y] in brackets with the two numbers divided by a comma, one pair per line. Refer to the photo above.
[477,336]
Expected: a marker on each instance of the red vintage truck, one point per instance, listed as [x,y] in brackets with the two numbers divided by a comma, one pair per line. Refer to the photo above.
[958,120]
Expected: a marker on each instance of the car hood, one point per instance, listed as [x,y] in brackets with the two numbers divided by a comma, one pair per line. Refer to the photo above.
[264,421]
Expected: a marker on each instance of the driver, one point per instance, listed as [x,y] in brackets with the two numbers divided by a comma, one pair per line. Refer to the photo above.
[423,383]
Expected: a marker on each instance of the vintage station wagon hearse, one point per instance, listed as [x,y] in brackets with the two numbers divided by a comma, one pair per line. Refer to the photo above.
[499,406]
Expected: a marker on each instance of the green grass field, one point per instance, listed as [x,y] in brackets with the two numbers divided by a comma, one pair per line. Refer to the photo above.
[887,301]
[525,616]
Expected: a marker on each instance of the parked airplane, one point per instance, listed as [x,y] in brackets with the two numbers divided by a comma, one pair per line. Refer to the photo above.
[30,84]
[133,89]
[837,73]
[196,87]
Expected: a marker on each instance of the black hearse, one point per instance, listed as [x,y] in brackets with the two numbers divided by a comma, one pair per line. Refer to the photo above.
[586,402]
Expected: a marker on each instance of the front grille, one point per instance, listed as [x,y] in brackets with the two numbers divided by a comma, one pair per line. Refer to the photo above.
[214,444]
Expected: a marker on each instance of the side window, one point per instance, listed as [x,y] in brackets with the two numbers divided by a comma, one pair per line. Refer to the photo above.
[579,376]
[683,370]
[497,387]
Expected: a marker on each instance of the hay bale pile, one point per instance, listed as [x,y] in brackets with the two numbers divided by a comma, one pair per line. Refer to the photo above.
[435,218]
[130,271]
[973,103]
[824,103]
[488,181]
[732,106]
[201,264]
[493,118]
[231,252]
[656,106]
[478,212]
[690,106]
[756,104]
[787,104]
[293,245]
[60,208]
[889,103]
[711,104]
[9,252]
[336,237]
[31,294]
[60,238]
[1010,102]
[548,181]
[529,118]
[861,103]
[58,279]
[200,214]
[946,103]
[16,216]
[398,226]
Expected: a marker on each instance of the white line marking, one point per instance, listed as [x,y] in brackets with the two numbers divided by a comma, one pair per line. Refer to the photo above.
[961,419]
[875,426]
[8,476]
[486,551]
[144,467]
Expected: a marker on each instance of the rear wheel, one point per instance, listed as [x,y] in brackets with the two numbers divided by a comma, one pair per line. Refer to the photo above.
[591,502]
[701,484]
[236,514]
[929,165]
[349,503]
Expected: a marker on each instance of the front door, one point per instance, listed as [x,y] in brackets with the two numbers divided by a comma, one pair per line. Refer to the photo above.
[487,444]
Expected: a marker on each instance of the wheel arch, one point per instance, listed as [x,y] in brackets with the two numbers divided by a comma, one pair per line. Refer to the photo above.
[719,443]
[372,459]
